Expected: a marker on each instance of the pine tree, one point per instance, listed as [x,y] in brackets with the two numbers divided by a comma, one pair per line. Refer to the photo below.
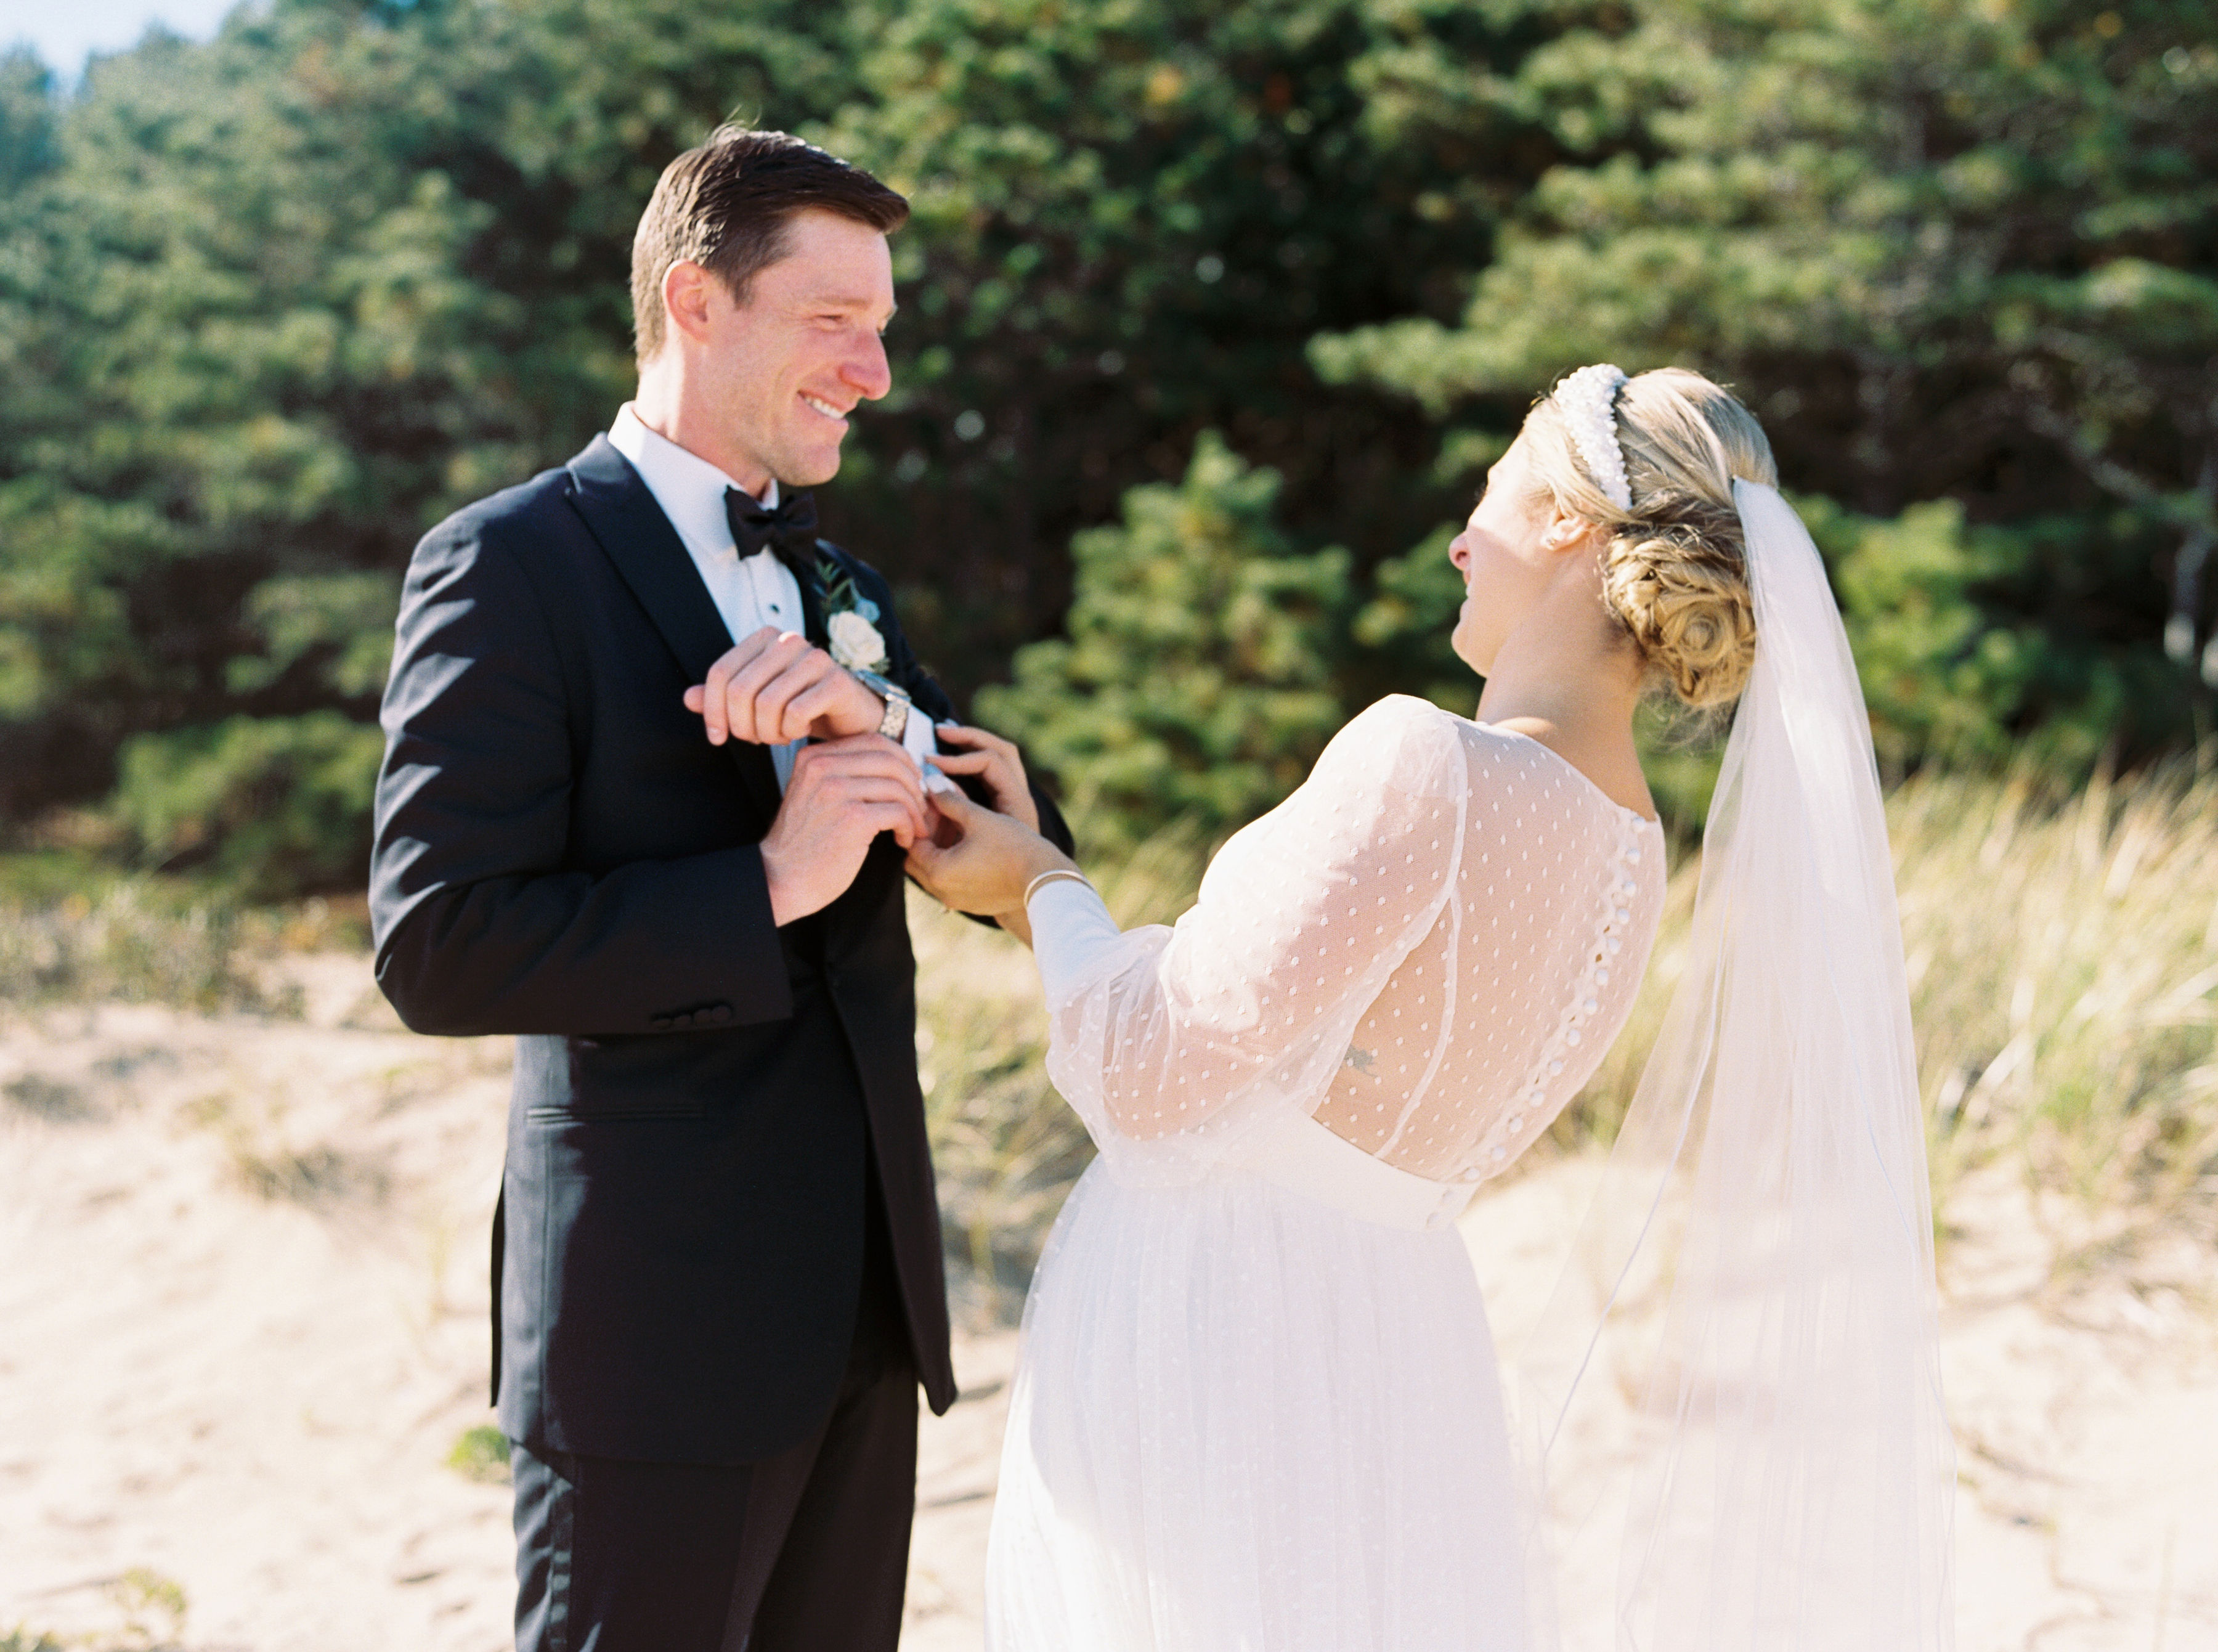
[1196,682]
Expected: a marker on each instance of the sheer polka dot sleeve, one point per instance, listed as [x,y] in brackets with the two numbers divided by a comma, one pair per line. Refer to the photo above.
[1167,1042]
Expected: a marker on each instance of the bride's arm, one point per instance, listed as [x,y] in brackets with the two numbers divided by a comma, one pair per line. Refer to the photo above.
[1158,1035]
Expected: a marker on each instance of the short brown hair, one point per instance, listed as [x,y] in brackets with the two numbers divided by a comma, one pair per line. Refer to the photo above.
[726,206]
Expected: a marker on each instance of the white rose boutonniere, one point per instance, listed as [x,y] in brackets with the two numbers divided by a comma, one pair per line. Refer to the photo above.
[849,621]
[856,644]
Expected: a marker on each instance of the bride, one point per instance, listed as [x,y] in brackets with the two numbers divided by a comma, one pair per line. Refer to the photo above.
[1258,1407]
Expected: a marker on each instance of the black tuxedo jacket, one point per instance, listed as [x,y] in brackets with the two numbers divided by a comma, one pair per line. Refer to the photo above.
[562,855]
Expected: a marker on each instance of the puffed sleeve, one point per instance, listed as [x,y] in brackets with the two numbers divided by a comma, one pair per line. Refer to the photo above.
[1168,1041]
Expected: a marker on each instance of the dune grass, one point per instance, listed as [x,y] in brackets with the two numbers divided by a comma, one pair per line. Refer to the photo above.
[150,1608]
[73,932]
[2063,960]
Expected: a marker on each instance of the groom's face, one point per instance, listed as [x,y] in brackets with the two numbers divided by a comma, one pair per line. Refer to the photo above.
[784,369]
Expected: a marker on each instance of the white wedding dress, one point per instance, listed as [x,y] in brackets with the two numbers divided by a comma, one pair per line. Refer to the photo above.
[1256,1407]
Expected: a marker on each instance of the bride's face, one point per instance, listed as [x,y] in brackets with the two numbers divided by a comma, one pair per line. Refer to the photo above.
[1505,555]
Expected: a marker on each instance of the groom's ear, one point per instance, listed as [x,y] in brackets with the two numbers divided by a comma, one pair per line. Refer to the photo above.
[690,291]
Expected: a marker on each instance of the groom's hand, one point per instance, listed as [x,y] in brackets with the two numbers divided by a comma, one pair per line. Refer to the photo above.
[843,793]
[775,686]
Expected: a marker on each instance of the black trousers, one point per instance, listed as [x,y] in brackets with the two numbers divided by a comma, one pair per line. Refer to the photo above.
[807,1551]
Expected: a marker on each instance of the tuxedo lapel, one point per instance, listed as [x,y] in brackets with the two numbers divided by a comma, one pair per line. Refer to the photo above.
[811,582]
[634,535]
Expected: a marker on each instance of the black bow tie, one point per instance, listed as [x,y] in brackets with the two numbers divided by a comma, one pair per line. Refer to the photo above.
[789,530]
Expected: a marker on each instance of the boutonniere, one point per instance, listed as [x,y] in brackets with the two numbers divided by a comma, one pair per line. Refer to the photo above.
[849,619]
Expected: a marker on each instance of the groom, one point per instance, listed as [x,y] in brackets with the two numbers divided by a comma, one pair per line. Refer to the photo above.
[633,811]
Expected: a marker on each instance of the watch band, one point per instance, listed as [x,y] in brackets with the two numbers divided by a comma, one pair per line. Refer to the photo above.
[898,700]
[894,724]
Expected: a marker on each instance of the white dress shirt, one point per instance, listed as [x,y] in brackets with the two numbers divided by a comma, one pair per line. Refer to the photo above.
[749,592]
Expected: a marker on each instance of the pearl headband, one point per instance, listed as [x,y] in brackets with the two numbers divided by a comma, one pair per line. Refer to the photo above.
[1588,398]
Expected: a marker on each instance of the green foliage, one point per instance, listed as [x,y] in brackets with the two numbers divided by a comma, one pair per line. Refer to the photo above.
[270,804]
[337,626]
[1196,682]
[1402,632]
[1948,252]
[271,305]
[1130,220]
[1954,670]
[152,1607]
[482,1454]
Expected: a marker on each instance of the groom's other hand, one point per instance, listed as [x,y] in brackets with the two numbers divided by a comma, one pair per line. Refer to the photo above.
[774,685]
[843,793]
[993,761]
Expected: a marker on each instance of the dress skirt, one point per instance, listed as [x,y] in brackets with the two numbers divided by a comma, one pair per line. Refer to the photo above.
[1260,1413]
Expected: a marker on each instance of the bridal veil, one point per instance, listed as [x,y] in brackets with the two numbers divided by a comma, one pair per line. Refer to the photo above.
[1754,1282]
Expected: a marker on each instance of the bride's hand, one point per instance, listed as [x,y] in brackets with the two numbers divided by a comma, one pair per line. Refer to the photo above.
[987,869]
[993,760]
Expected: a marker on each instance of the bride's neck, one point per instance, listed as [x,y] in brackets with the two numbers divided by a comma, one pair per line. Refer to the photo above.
[1568,677]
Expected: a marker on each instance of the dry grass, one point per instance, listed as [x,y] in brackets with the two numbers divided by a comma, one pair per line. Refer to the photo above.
[2063,956]
[69,933]
[151,1610]
[2063,960]
[272,1154]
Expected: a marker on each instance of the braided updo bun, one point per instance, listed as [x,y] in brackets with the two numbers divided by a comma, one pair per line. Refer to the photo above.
[1675,566]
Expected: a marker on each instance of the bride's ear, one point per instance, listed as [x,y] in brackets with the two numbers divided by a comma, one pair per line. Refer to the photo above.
[1566,533]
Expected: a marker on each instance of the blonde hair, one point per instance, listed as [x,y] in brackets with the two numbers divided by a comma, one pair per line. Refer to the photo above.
[1675,566]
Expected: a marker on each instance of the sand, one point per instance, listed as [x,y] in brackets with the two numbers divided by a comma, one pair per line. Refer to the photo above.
[242,1310]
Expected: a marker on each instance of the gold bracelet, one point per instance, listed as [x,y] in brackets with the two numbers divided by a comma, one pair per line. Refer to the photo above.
[1058,875]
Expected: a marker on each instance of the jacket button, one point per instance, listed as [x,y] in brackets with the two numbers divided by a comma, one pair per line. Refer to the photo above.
[661,1023]
[720,1013]
[682,1021]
